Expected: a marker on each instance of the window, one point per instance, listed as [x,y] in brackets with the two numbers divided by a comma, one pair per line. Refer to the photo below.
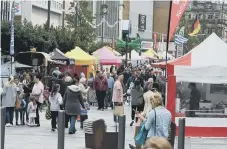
[210,16]
[189,16]
[210,31]
[200,16]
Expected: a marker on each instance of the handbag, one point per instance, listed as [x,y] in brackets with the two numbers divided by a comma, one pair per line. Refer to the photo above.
[141,137]
[48,112]
[118,110]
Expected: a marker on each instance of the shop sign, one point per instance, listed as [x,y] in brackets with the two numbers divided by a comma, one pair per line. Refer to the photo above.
[146,45]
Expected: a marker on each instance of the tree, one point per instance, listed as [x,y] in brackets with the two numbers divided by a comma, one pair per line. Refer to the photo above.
[83,32]
[26,36]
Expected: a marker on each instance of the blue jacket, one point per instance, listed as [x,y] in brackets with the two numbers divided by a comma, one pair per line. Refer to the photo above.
[163,121]
[85,111]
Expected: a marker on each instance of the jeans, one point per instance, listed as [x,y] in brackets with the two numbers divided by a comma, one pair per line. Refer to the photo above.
[101,97]
[37,122]
[54,115]
[9,115]
[20,112]
[72,127]
[26,107]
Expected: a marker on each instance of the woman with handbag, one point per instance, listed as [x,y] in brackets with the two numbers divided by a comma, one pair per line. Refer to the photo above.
[137,99]
[37,92]
[158,120]
[117,98]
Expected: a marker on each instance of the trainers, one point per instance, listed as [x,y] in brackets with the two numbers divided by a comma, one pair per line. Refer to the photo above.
[8,125]
[53,130]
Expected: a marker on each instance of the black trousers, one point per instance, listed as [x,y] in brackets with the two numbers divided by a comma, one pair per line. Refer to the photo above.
[138,108]
[20,112]
[54,115]
[82,119]
[101,97]
[67,120]
[37,121]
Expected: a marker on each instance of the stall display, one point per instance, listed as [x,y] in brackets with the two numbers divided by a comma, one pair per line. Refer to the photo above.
[150,54]
[83,61]
[106,57]
[206,63]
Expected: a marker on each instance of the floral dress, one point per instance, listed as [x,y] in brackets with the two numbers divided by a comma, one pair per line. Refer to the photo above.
[91,92]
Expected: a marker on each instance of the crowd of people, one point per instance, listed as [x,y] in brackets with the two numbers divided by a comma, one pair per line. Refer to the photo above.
[141,87]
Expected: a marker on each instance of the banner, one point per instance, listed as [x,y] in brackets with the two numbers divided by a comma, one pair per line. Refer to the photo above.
[177,10]
[17,7]
[12,30]
[155,41]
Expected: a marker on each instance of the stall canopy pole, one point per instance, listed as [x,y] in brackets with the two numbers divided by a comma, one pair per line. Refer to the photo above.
[167,44]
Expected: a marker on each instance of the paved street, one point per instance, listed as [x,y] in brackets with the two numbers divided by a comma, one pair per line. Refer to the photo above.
[42,138]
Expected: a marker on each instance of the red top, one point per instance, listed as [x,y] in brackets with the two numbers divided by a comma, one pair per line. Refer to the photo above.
[100,84]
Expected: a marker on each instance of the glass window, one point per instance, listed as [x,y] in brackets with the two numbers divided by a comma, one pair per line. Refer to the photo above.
[210,16]
[189,16]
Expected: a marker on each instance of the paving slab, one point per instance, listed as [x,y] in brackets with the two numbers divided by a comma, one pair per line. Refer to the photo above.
[23,137]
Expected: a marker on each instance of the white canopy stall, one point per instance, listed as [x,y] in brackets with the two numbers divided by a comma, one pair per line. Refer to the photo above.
[206,63]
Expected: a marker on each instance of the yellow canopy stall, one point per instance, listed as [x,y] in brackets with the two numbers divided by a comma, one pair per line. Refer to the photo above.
[84,62]
[81,57]
[150,54]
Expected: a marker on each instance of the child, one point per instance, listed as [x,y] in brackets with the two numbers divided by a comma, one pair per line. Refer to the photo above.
[31,110]
[83,115]
[55,100]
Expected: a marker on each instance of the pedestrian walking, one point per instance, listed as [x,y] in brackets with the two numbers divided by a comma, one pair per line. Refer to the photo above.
[84,113]
[37,92]
[31,110]
[55,100]
[101,86]
[9,99]
[72,102]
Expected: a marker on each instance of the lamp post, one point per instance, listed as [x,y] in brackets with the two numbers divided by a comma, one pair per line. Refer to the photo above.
[104,10]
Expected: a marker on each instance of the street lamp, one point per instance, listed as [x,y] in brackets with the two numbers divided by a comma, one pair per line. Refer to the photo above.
[104,10]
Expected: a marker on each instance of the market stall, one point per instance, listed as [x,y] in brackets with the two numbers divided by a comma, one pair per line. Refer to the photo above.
[151,54]
[83,61]
[205,64]
[69,66]
[135,58]
[162,55]
[106,57]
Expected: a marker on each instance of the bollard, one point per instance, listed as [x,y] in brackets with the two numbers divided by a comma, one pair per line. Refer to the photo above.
[2,126]
[121,132]
[181,133]
[61,129]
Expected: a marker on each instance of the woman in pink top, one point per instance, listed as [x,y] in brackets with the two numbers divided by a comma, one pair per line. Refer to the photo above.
[37,92]
[117,97]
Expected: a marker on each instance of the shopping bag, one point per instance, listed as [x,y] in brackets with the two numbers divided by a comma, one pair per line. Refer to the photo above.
[141,136]
[118,110]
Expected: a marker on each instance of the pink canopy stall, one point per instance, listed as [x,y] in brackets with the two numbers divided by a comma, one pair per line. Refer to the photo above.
[106,57]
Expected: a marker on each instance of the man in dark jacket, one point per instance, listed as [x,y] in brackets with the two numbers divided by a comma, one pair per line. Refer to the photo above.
[195,96]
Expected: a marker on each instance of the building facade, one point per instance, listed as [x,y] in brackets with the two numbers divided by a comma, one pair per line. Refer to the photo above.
[211,14]
[37,11]
[113,15]
[5,10]
[161,17]
[141,18]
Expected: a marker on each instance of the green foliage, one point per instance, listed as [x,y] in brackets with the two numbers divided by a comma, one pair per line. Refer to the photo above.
[84,34]
[26,36]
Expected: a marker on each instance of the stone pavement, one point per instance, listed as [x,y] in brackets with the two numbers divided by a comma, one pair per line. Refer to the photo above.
[23,137]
